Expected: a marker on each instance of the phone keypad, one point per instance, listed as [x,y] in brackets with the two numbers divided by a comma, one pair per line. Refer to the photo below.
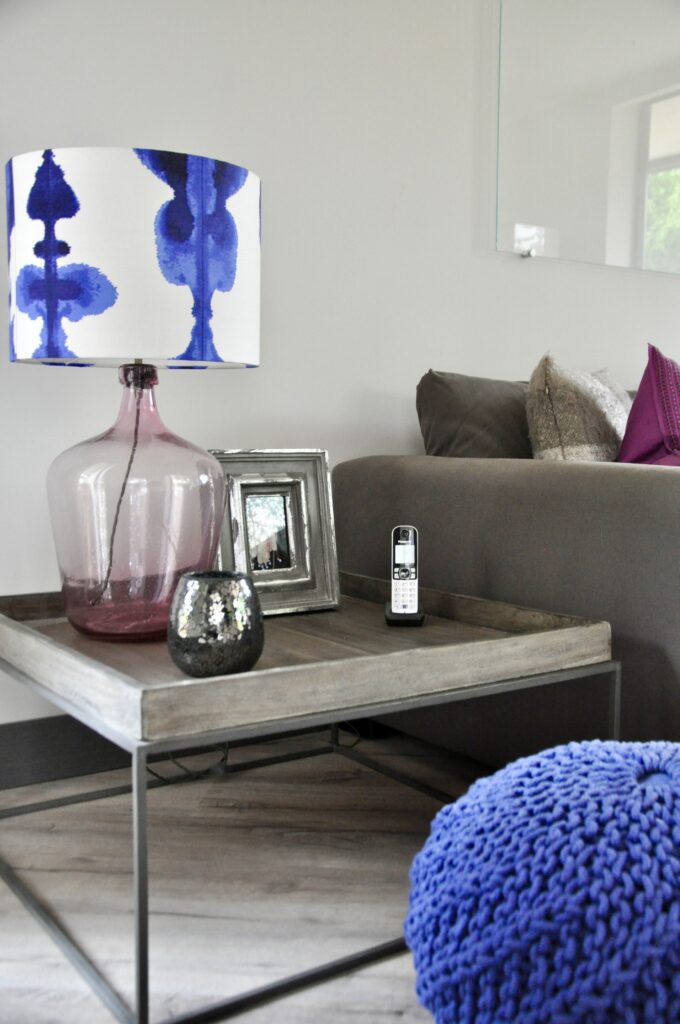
[405,595]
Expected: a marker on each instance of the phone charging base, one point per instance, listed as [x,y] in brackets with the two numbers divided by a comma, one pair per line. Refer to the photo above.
[403,618]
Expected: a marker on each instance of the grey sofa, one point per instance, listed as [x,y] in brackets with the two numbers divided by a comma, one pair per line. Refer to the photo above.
[598,540]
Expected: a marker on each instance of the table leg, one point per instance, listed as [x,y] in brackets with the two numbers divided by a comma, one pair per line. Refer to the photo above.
[141,885]
[615,702]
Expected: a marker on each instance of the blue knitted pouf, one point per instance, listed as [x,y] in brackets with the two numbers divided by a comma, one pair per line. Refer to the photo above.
[551,892]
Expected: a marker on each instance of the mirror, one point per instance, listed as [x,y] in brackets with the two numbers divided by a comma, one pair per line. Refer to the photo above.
[589,131]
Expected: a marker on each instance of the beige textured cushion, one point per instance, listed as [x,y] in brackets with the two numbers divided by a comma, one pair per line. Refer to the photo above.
[573,415]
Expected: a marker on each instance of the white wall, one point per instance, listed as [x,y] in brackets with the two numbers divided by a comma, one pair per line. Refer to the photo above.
[368,121]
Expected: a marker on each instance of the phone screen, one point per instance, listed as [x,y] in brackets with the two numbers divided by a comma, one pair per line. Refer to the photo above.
[404,553]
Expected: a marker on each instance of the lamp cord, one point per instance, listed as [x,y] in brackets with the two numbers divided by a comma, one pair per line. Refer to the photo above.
[135,438]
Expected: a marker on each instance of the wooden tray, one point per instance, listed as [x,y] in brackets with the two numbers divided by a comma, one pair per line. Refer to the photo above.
[316,667]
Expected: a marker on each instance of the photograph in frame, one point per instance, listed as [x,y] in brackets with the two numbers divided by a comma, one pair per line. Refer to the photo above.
[278,526]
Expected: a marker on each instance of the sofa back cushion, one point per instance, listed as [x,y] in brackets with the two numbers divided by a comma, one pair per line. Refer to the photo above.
[473,417]
[574,415]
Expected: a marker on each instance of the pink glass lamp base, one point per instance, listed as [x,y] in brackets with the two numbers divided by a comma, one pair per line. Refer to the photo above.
[131,510]
[122,617]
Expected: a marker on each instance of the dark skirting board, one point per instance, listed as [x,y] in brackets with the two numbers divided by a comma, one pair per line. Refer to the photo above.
[56,747]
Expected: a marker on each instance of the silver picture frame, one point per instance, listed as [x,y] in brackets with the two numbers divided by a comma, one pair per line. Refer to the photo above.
[278,526]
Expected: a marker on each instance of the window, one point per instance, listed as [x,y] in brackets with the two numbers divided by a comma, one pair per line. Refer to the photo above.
[661,230]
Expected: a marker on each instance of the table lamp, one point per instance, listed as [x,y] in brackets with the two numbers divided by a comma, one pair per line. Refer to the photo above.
[134,258]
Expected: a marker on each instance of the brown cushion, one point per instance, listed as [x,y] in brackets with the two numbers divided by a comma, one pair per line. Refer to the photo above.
[574,415]
[473,417]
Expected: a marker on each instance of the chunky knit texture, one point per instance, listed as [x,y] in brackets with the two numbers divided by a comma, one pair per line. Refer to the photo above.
[550,893]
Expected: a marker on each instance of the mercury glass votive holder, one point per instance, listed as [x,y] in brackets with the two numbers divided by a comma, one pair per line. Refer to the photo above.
[216,626]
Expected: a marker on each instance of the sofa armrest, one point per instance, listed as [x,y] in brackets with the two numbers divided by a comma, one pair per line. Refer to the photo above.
[597,540]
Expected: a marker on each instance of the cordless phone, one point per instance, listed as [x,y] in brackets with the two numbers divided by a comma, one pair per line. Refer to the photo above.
[403,607]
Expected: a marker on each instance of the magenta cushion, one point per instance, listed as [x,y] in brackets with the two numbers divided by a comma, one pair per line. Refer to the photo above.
[653,429]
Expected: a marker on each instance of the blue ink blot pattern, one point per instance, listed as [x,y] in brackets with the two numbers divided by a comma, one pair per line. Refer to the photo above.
[9,190]
[54,293]
[196,236]
[9,187]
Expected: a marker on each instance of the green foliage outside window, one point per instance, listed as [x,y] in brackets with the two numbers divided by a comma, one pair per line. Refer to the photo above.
[662,221]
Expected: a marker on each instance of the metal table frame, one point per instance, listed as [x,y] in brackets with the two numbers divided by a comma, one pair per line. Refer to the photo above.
[141,751]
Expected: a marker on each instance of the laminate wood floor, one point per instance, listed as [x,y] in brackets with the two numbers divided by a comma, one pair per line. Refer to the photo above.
[254,876]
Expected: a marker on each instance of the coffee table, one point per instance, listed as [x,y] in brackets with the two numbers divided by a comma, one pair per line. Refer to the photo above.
[317,669]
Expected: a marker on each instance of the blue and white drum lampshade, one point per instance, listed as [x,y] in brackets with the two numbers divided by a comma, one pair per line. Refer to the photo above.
[124,254]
